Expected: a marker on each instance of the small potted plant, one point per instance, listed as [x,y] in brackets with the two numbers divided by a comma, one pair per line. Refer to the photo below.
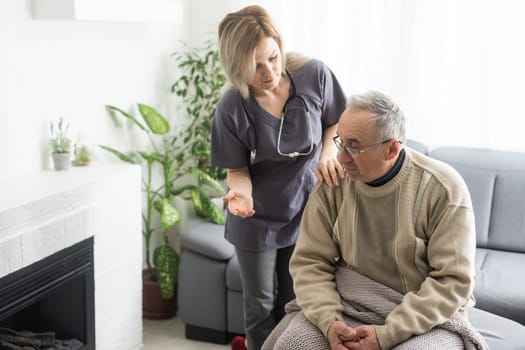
[82,157]
[60,144]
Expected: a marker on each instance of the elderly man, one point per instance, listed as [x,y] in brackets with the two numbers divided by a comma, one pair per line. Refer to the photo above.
[387,257]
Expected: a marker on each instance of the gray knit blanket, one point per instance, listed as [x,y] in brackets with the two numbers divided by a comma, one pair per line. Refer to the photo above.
[366,301]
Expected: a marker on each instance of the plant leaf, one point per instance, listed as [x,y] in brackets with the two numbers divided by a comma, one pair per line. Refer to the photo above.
[156,122]
[169,216]
[146,155]
[175,191]
[122,156]
[199,202]
[217,214]
[152,156]
[205,208]
[166,261]
[125,114]
[206,179]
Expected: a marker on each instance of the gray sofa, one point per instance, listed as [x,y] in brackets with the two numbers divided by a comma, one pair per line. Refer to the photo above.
[210,293]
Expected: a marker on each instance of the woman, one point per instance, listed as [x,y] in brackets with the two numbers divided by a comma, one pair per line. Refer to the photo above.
[273,131]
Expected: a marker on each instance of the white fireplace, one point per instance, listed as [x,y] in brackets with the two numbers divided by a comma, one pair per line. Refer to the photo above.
[44,212]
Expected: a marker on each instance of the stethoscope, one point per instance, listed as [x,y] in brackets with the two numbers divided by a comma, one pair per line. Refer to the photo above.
[253,152]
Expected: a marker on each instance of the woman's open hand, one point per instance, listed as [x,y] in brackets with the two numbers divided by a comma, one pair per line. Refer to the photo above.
[239,204]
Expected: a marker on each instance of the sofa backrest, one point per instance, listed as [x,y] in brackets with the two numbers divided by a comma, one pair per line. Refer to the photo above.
[418,146]
[496,181]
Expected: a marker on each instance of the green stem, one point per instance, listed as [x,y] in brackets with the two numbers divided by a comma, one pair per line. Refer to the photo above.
[147,221]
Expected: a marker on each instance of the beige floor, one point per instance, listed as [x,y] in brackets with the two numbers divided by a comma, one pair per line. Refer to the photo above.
[169,334]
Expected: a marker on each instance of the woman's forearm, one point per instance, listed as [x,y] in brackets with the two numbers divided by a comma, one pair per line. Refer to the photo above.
[239,180]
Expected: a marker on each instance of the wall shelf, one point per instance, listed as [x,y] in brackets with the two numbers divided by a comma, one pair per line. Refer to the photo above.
[108,10]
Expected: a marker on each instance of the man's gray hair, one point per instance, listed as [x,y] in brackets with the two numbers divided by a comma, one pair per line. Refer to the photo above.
[388,117]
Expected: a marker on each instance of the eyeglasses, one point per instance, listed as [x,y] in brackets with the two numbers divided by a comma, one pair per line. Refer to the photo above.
[354,152]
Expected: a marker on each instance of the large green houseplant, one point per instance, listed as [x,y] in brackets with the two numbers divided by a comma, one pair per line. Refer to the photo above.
[181,152]
[199,84]
[161,156]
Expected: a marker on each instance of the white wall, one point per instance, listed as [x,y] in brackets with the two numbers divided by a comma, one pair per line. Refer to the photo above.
[203,17]
[68,68]
[454,67]
[53,68]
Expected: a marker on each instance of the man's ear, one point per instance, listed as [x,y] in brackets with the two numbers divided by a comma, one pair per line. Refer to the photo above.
[393,150]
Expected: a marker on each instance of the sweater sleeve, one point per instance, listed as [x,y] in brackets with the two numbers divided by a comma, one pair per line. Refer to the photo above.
[312,265]
[448,285]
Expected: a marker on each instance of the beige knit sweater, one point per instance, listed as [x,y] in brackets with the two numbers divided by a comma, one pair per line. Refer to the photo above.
[415,234]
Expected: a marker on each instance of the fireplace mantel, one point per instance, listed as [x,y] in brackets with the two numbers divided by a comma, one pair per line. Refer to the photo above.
[44,212]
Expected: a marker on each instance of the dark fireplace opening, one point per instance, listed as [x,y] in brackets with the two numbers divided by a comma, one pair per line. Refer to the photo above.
[55,294]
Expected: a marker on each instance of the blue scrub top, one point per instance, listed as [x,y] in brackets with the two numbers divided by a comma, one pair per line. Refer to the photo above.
[281,184]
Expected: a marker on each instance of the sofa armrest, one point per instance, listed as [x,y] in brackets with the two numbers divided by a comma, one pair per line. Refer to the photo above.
[207,239]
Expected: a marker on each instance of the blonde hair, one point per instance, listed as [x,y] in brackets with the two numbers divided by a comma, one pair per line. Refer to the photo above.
[295,60]
[239,34]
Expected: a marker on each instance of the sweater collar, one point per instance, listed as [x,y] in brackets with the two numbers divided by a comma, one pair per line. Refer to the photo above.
[391,173]
[392,183]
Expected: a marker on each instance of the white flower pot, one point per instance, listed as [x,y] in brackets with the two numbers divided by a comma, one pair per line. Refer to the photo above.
[61,160]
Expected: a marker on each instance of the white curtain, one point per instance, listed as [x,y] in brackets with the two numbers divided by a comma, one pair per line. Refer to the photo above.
[456,67]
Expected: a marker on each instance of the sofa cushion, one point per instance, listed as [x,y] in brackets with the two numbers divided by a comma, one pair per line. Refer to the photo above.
[499,287]
[508,212]
[500,333]
[207,239]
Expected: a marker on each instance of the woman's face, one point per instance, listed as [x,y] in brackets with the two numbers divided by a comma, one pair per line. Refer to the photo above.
[268,67]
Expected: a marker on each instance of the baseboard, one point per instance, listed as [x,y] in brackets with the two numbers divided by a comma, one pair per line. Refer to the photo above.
[207,335]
